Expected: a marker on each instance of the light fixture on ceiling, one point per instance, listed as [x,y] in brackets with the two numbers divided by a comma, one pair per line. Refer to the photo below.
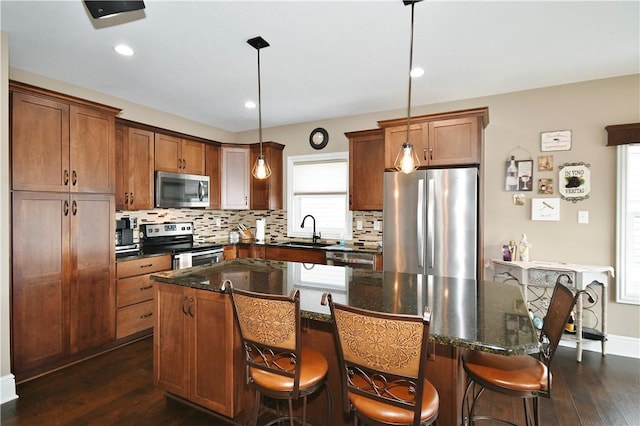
[407,160]
[123,50]
[261,169]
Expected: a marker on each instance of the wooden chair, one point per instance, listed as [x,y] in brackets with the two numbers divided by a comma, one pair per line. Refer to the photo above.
[277,365]
[383,364]
[521,376]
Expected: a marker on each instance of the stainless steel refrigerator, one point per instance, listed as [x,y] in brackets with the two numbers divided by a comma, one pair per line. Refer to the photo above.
[431,222]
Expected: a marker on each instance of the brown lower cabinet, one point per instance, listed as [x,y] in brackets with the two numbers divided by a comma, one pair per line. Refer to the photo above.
[288,254]
[196,348]
[134,293]
[63,278]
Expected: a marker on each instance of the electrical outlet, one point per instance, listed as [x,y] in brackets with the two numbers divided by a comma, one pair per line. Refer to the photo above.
[359,225]
[218,222]
[583,216]
[377,225]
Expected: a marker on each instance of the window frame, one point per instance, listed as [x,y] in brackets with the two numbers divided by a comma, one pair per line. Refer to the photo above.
[293,230]
[624,242]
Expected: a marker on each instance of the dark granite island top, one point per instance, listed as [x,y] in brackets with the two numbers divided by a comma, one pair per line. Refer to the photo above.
[485,315]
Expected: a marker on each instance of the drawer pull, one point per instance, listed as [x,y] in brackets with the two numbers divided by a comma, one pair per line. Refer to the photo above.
[146,288]
[146,315]
[146,265]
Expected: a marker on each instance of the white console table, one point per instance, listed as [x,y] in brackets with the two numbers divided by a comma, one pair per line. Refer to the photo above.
[538,280]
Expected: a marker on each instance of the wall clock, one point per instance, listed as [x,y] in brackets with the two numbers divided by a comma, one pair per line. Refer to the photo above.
[318,138]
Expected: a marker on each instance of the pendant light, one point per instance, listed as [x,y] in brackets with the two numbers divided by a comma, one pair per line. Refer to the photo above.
[261,169]
[407,160]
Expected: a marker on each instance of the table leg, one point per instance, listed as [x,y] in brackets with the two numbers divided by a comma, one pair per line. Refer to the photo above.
[579,329]
[604,302]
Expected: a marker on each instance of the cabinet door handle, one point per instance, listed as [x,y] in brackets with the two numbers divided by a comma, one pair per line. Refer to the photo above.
[146,265]
[126,198]
[146,288]
[74,207]
[146,315]
[183,307]
[66,177]
[191,314]
[430,153]
[184,163]
[65,208]
[424,153]
[74,177]
[132,198]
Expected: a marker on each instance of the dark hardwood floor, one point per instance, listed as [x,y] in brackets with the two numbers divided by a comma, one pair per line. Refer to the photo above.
[117,389]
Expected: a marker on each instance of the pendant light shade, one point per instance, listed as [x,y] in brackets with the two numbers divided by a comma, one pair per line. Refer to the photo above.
[261,169]
[407,160]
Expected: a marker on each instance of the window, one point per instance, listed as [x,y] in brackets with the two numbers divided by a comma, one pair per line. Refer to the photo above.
[318,185]
[628,224]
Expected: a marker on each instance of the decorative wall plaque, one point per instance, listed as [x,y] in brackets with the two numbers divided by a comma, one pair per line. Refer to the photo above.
[574,181]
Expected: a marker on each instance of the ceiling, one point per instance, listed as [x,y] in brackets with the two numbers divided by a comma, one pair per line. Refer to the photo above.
[327,58]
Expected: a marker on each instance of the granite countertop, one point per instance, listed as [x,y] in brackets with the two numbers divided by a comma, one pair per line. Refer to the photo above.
[483,315]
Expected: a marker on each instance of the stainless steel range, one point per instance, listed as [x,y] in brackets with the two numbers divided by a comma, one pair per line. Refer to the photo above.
[177,239]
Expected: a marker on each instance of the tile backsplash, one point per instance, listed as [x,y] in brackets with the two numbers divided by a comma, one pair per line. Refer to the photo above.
[214,225]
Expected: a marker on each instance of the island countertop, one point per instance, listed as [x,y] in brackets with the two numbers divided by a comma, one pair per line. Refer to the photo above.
[482,315]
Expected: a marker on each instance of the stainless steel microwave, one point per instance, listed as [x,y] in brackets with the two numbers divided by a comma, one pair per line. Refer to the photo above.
[181,190]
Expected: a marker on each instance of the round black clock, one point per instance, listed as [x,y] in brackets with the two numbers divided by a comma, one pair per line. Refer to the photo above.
[319,138]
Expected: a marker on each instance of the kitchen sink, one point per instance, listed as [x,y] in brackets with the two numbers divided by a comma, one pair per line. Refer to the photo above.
[306,244]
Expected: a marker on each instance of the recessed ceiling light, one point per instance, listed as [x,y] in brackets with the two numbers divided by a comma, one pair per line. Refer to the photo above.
[417,72]
[250,104]
[124,50]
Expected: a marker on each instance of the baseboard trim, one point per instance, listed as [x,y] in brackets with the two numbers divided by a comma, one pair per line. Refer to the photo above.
[7,388]
[616,345]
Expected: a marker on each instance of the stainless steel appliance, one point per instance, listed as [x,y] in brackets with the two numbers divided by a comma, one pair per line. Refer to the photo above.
[181,190]
[354,260]
[125,245]
[431,222]
[177,239]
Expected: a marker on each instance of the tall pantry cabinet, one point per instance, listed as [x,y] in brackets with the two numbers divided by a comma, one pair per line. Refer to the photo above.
[63,226]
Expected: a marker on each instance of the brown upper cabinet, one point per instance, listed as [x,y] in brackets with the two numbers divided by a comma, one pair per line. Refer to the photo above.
[452,138]
[366,169]
[178,155]
[61,143]
[213,169]
[266,194]
[134,165]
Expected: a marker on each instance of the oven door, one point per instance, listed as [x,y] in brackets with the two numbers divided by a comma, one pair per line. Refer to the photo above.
[198,258]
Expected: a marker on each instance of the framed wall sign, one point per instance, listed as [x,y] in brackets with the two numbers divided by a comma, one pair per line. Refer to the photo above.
[574,181]
[545,209]
[559,140]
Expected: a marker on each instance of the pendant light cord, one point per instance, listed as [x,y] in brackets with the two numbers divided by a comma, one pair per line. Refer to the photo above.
[259,106]
[410,68]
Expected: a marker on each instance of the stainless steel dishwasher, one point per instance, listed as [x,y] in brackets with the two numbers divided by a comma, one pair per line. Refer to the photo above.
[353,260]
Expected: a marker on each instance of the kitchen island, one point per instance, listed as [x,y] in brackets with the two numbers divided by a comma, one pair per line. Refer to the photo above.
[196,344]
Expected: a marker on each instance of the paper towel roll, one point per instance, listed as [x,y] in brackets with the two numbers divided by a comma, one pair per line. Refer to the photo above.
[260,226]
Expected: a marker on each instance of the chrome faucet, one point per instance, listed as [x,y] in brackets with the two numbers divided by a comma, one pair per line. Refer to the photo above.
[314,237]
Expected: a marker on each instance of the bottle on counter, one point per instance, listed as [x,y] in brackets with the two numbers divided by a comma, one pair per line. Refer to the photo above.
[571,323]
[523,248]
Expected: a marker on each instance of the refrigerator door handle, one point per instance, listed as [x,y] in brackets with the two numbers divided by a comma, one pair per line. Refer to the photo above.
[431,223]
[420,218]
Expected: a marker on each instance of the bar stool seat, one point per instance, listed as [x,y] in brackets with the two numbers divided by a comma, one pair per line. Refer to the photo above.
[390,414]
[313,371]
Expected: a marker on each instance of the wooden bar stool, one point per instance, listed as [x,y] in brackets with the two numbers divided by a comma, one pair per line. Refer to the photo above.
[383,365]
[520,376]
[277,365]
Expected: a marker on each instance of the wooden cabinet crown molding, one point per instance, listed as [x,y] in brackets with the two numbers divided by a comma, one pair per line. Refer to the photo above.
[155,129]
[482,112]
[16,86]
